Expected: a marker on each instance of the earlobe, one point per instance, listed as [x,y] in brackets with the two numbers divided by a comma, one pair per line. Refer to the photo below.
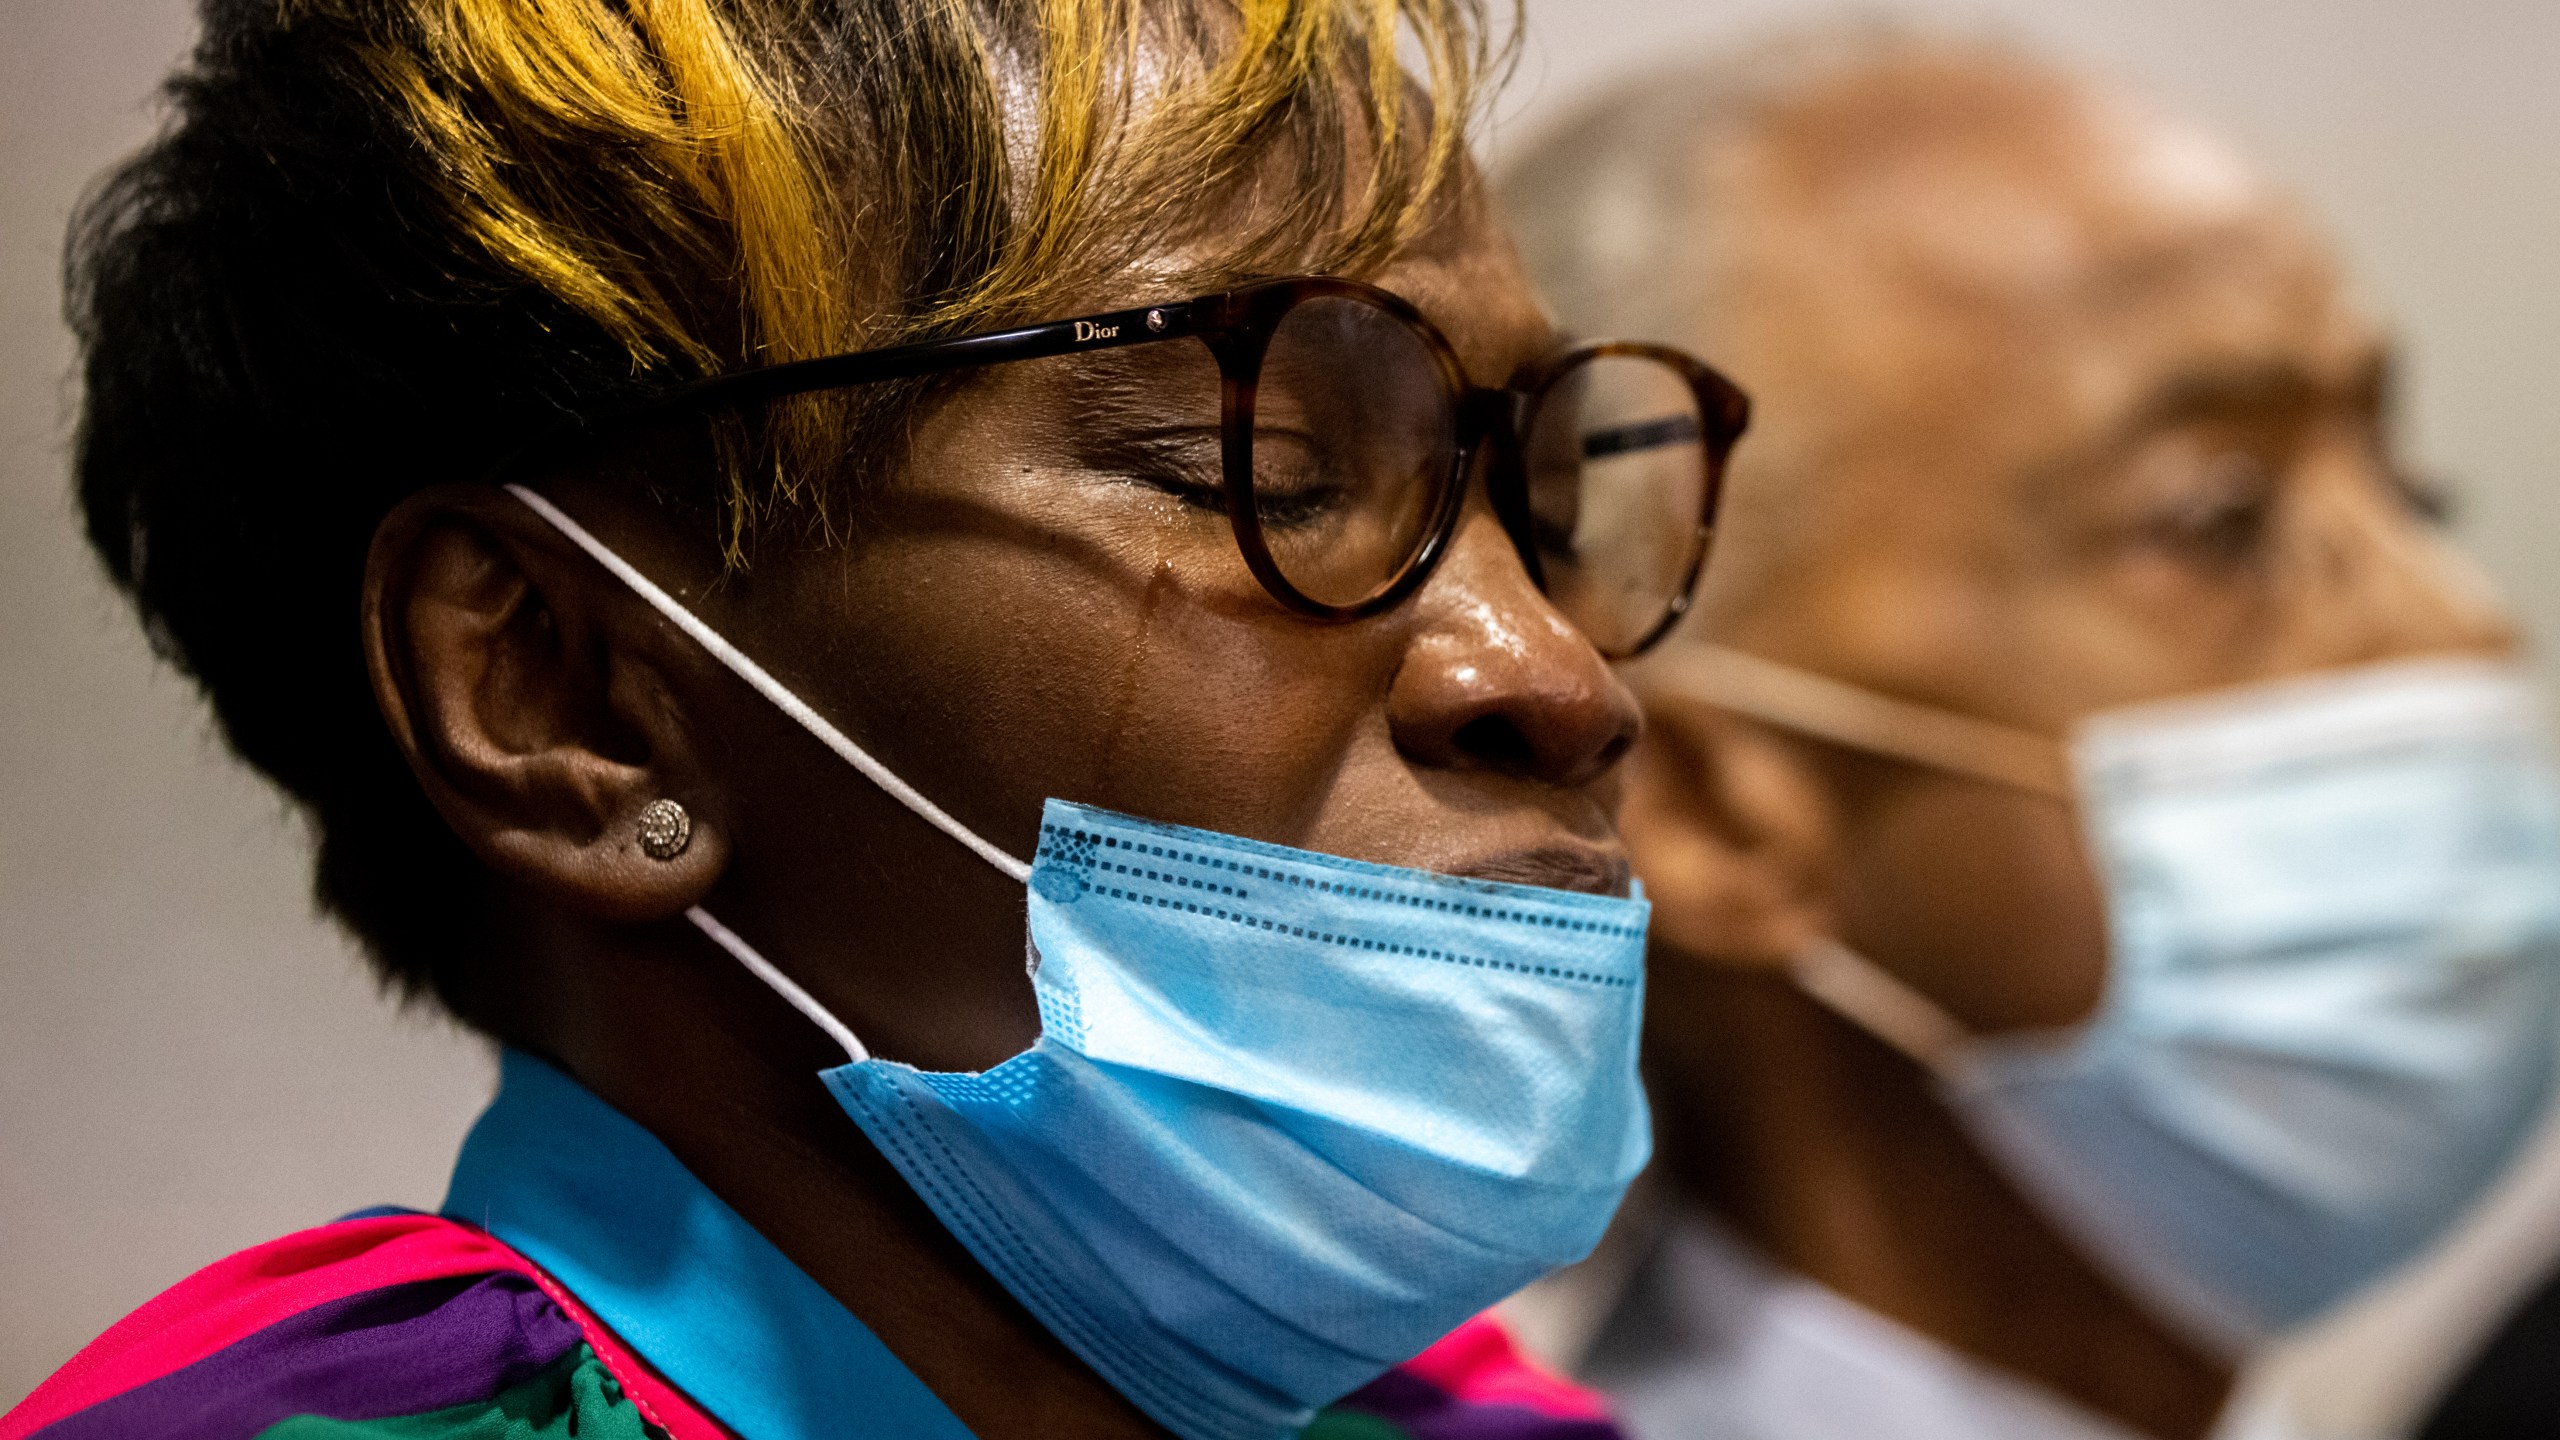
[1734,837]
[535,708]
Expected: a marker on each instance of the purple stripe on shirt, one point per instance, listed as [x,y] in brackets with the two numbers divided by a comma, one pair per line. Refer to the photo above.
[398,1350]
[1426,1412]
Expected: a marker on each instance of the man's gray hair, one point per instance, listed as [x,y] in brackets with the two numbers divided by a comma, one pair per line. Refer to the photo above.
[1619,210]
[1630,215]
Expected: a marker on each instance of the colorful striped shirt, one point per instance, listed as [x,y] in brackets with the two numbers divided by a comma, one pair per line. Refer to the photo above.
[582,1283]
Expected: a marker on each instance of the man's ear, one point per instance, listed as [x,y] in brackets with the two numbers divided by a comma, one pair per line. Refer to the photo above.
[1734,835]
[536,701]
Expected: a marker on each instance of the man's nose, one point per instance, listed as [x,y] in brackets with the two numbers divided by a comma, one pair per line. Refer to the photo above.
[1495,678]
[2373,580]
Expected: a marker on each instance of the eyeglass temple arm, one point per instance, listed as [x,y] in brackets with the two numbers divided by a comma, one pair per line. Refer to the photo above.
[1108,331]
[1639,435]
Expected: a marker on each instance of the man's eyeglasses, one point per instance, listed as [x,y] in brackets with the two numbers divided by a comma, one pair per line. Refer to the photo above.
[1346,433]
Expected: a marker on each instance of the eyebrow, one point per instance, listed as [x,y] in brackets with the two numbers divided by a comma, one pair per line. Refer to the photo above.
[2205,393]
[1116,384]
[2229,392]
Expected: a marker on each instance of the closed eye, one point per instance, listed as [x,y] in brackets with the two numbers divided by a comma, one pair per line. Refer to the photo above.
[1186,465]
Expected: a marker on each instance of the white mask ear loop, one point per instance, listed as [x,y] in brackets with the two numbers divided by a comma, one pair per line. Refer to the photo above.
[811,721]
[783,985]
[1875,1000]
[770,688]
[1852,715]
[1845,982]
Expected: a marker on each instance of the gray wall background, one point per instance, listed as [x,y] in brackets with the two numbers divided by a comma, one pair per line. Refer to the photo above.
[190,1062]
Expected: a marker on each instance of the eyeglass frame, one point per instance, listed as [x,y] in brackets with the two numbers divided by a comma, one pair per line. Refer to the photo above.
[1237,326]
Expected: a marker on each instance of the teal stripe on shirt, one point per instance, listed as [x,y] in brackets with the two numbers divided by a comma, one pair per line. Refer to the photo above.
[588,1195]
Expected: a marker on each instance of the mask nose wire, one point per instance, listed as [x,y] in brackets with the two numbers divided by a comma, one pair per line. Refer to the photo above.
[810,720]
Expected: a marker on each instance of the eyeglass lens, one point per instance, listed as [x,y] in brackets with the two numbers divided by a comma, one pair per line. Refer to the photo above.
[1354,444]
[1618,473]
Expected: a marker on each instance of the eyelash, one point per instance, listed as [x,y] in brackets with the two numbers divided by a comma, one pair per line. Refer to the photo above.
[1276,509]
[1186,492]
[2224,518]
[1161,466]
[2429,497]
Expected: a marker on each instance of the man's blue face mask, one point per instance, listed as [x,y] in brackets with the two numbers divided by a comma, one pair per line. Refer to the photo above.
[1290,1118]
[2333,992]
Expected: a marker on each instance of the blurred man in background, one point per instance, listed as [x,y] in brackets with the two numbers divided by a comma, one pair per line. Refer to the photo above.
[2106,872]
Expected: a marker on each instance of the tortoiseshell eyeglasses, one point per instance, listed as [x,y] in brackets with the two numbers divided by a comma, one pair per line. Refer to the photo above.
[1348,431]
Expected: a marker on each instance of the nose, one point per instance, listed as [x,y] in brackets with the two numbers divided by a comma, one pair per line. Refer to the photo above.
[2371,580]
[1495,679]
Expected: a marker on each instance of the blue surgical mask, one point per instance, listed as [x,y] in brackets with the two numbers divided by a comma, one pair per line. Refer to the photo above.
[1290,1117]
[2333,991]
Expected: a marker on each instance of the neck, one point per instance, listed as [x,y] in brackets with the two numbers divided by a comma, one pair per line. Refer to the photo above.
[1832,1155]
[725,1074]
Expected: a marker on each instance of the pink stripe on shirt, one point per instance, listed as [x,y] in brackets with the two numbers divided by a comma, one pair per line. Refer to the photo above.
[1477,1363]
[234,1298]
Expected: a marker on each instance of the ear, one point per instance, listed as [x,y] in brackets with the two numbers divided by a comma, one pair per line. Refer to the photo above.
[536,701]
[1734,835]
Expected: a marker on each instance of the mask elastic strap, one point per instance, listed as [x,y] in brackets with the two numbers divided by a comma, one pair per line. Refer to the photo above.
[1875,1000]
[772,689]
[1852,715]
[811,721]
[783,985]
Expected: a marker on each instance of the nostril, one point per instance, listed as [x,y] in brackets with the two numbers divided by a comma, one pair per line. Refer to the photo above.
[1615,751]
[1496,743]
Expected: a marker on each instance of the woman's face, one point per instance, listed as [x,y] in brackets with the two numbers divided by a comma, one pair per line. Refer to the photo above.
[1030,611]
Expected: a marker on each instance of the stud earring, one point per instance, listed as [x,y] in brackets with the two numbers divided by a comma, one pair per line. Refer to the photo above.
[665,829]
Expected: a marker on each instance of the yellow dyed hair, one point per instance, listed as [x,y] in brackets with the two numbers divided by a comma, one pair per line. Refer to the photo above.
[720,183]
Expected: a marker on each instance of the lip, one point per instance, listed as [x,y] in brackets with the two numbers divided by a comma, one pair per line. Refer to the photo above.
[1556,867]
